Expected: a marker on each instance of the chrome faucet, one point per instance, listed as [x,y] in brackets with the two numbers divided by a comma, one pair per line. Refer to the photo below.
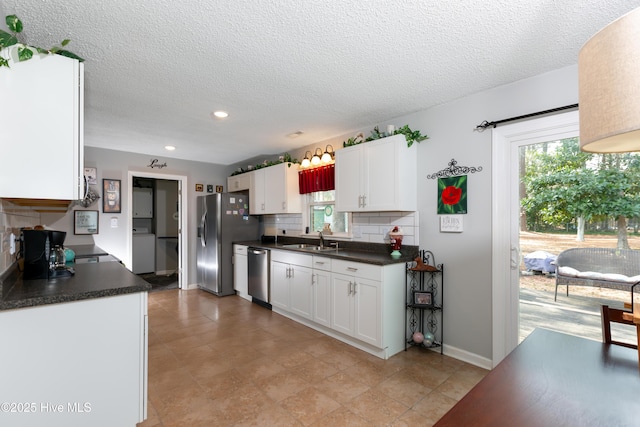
[321,240]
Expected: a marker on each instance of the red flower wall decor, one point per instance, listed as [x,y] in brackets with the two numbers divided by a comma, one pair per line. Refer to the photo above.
[452,195]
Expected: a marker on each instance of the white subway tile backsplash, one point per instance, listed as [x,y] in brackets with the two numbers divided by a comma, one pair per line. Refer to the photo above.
[371,227]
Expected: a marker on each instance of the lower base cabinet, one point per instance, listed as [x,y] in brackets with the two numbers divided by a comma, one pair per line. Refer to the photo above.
[321,284]
[81,363]
[356,308]
[360,304]
[291,283]
[241,271]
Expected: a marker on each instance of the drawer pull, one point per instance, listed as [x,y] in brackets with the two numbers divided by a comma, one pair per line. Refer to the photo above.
[352,269]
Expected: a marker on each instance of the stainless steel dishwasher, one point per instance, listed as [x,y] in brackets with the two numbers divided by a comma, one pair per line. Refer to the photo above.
[259,286]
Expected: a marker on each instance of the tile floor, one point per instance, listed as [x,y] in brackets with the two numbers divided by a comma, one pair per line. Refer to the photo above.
[227,362]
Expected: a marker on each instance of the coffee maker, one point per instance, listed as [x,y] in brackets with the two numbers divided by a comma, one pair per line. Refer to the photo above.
[44,256]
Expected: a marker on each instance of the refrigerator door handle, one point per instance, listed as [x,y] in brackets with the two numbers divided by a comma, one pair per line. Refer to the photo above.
[203,226]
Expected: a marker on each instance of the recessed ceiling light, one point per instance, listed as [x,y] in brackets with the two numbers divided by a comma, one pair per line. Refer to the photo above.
[220,114]
[169,147]
[295,134]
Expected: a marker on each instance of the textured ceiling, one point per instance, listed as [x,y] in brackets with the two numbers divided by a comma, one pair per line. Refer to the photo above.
[155,70]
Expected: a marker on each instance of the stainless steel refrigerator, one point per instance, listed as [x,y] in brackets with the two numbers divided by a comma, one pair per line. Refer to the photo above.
[223,219]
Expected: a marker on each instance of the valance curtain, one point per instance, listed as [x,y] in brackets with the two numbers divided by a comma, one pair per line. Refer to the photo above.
[321,178]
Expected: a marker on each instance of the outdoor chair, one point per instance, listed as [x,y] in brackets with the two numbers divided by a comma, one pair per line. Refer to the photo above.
[614,315]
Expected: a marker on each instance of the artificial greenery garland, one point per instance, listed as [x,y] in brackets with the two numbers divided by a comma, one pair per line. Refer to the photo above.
[25,52]
[411,136]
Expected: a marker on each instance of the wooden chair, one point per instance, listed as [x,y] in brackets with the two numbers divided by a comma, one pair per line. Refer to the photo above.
[613,315]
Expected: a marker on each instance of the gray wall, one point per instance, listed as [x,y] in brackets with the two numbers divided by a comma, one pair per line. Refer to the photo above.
[467,256]
[116,165]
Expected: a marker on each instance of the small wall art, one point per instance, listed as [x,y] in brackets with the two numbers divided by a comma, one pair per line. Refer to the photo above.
[85,222]
[199,187]
[452,195]
[111,196]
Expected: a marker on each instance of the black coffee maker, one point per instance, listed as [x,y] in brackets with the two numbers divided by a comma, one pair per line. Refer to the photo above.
[44,256]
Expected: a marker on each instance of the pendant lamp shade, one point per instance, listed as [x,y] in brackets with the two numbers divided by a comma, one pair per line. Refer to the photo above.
[609,87]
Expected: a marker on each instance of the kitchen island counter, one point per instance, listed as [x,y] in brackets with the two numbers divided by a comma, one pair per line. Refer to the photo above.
[91,280]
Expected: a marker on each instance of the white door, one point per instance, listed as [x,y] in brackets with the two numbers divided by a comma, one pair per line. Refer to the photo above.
[275,188]
[280,285]
[380,176]
[348,179]
[322,297]
[342,303]
[367,311]
[506,143]
[301,291]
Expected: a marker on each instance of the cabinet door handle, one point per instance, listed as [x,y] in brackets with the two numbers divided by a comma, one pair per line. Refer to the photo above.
[313,279]
[349,293]
[292,272]
[354,287]
[287,275]
[364,201]
[359,201]
[284,206]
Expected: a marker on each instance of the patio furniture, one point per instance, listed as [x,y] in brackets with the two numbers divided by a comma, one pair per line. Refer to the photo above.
[616,316]
[603,267]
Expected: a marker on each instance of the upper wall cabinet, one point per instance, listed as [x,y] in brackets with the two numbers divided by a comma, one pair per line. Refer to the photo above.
[274,190]
[42,105]
[379,175]
[142,203]
[238,182]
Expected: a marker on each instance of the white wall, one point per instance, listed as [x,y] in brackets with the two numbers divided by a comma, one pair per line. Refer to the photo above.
[116,165]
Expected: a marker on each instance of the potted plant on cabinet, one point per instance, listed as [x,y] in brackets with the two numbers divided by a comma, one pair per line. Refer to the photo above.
[22,51]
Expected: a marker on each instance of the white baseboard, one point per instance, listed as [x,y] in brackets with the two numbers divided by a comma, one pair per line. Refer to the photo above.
[465,356]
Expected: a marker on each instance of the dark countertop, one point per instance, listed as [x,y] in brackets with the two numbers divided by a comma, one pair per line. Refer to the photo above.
[87,251]
[368,253]
[91,280]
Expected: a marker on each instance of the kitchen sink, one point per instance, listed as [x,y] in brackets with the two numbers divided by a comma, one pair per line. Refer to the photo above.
[308,247]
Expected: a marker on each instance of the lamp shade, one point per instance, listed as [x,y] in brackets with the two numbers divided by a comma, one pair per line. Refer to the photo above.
[609,87]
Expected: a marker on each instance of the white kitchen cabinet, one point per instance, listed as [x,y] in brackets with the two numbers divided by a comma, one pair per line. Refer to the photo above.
[89,356]
[238,182]
[275,190]
[241,271]
[356,301]
[379,175]
[42,112]
[143,203]
[321,282]
[291,283]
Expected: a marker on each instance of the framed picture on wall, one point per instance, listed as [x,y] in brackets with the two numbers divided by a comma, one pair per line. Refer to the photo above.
[85,222]
[111,196]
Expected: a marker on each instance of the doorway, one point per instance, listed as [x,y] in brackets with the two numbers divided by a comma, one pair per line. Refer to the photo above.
[157,212]
[506,144]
